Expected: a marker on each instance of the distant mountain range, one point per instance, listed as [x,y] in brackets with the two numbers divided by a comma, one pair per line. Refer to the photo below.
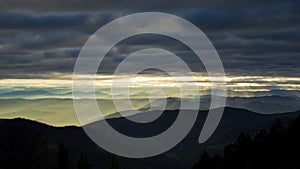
[36,93]
[60,112]
[264,104]
[24,93]
[183,156]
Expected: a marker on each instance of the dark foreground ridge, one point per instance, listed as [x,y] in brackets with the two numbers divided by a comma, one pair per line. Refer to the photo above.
[28,144]
[275,148]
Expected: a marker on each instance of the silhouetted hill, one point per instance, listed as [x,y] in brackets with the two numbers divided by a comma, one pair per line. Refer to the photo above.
[275,148]
[183,156]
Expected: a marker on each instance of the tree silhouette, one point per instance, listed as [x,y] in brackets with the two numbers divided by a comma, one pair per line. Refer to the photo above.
[115,162]
[207,162]
[277,148]
[62,157]
[82,162]
[21,148]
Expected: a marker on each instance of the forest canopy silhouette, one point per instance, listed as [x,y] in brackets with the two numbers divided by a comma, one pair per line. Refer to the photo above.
[278,148]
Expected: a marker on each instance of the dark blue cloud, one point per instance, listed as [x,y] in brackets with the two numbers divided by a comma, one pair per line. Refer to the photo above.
[289,35]
[36,22]
[24,20]
[252,37]
[258,17]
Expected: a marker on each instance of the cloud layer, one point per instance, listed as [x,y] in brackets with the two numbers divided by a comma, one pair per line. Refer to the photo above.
[252,37]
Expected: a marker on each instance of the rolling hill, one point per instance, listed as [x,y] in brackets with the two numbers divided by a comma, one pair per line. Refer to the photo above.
[183,156]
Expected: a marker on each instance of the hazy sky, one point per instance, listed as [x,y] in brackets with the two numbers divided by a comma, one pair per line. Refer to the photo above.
[39,38]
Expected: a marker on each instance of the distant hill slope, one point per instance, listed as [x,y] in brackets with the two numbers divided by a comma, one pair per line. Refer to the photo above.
[183,156]
[60,112]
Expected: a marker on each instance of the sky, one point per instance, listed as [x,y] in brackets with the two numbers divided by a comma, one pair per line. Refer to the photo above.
[257,42]
[38,38]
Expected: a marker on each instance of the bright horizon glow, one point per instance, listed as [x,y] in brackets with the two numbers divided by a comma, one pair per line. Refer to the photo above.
[62,84]
[49,100]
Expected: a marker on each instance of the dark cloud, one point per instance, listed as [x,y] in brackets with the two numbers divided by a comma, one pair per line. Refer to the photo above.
[17,20]
[265,17]
[252,37]
[288,35]
[96,5]
[31,21]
